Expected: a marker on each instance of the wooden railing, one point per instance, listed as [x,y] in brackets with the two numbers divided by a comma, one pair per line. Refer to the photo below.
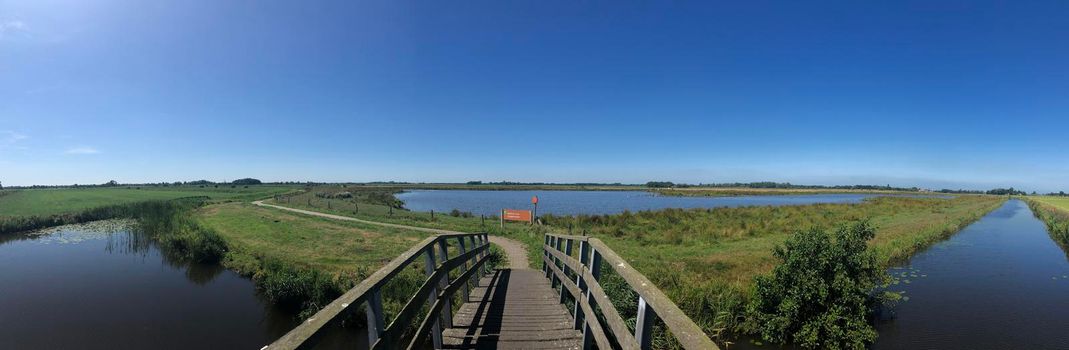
[579,279]
[436,292]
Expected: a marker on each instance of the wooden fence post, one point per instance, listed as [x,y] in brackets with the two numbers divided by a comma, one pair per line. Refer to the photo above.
[644,324]
[431,264]
[579,317]
[595,272]
[463,250]
[568,252]
[447,303]
[375,323]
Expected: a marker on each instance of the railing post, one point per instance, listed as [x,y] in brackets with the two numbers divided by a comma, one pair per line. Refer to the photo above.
[557,242]
[486,240]
[375,323]
[595,272]
[463,250]
[579,317]
[644,324]
[476,243]
[436,330]
[447,303]
[568,252]
[545,242]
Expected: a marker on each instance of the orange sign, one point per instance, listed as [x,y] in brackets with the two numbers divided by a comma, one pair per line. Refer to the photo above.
[516,215]
[534,200]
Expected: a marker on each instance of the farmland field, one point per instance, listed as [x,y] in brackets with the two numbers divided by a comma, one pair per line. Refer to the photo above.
[42,202]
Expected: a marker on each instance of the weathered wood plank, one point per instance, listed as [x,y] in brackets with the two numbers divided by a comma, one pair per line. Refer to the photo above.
[514,309]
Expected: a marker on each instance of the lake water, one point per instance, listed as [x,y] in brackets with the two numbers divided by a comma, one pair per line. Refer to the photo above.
[594,202]
[1000,283]
[97,287]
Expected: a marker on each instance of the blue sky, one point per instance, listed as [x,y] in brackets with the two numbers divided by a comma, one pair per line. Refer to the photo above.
[969,94]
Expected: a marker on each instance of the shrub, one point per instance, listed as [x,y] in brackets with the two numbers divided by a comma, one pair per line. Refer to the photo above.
[820,296]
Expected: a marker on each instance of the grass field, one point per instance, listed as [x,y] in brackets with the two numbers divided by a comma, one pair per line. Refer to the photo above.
[1058,202]
[308,260]
[43,202]
[345,250]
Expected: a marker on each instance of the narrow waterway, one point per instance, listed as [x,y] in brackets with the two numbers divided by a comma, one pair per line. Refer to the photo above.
[101,286]
[1000,283]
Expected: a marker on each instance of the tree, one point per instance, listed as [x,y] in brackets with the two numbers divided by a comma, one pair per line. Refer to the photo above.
[111,183]
[660,184]
[246,181]
[820,295]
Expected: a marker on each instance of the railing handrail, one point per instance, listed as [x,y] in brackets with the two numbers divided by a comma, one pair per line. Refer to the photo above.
[585,289]
[437,290]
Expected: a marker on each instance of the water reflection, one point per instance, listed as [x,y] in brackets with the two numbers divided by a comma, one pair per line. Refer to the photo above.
[110,287]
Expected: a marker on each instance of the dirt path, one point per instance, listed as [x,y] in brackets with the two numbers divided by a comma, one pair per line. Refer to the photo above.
[516,251]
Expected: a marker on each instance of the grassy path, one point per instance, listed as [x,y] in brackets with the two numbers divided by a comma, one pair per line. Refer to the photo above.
[516,251]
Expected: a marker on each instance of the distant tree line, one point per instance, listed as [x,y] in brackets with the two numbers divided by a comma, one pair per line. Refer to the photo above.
[1006,191]
[660,184]
[776,185]
[113,183]
[513,183]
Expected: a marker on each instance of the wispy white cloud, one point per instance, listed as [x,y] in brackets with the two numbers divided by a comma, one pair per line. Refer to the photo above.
[81,150]
[11,140]
[8,27]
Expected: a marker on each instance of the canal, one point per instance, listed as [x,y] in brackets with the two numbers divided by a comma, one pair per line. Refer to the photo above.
[1000,283]
[102,286]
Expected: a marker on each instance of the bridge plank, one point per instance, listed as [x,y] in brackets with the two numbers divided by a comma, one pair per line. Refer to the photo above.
[513,309]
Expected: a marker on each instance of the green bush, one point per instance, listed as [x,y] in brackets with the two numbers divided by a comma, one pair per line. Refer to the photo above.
[821,294]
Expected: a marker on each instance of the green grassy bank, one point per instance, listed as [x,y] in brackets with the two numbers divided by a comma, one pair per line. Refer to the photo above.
[1054,211]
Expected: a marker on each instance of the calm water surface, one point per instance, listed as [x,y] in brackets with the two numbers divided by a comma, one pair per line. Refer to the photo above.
[1001,283]
[593,202]
[82,287]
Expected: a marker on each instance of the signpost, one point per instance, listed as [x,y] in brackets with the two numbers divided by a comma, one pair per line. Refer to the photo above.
[516,215]
[520,215]
[534,201]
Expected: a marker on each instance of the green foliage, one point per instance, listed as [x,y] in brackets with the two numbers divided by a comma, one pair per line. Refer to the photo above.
[246,181]
[305,289]
[820,296]
[660,184]
[1006,191]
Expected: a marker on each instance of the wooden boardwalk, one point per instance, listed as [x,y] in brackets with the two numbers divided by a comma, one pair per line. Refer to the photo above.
[513,309]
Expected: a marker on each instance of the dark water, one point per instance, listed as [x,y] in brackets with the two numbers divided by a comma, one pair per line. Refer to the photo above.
[1001,283]
[84,288]
[593,202]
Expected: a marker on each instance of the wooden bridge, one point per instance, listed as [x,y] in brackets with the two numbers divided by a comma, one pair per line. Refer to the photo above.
[462,304]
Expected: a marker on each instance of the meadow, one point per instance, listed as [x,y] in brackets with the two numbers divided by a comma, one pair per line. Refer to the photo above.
[30,209]
[53,201]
